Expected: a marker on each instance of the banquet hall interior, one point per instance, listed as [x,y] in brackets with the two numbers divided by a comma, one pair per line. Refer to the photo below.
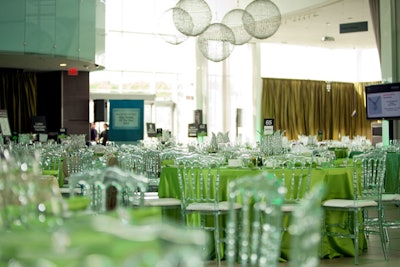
[212,91]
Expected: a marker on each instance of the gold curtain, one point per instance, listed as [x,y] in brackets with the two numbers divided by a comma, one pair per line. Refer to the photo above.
[18,91]
[305,106]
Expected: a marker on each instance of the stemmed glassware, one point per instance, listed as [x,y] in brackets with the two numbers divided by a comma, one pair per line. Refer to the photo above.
[272,144]
[26,197]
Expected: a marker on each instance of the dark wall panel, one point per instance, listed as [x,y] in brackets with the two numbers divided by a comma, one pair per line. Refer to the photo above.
[64,101]
[76,103]
[100,110]
[49,99]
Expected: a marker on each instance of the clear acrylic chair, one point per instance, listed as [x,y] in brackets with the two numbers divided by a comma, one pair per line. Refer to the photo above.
[110,188]
[52,163]
[152,168]
[368,176]
[254,233]
[135,163]
[131,162]
[389,198]
[198,177]
[305,229]
[295,172]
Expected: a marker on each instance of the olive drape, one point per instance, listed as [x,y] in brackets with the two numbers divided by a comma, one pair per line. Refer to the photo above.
[302,107]
[18,91]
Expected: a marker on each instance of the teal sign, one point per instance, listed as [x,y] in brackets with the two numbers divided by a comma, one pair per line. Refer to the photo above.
[126,120]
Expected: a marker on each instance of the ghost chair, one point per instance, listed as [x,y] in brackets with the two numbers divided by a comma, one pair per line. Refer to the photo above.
[368,176]
[305,229]
[254,233]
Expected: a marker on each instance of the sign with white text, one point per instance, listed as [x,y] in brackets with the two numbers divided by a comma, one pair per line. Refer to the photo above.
[126,120]
[268,126]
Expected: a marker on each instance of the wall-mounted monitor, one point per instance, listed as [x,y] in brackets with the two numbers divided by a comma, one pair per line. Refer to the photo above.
[383,101]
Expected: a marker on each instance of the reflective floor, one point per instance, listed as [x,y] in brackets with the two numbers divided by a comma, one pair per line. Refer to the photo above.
[373,257]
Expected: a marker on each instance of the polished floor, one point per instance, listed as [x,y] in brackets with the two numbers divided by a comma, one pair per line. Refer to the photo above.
[373,257]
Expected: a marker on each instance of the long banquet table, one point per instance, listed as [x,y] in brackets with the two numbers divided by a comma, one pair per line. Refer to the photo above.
[339,184]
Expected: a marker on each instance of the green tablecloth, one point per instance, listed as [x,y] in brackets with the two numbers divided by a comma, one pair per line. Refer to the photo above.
[339,182]
[340,152]
[392,172]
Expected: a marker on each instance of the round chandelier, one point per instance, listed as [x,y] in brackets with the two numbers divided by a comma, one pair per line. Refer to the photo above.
[260,19]
[167,28]
[216,42]
[236,19]
[267,19]
[200,17]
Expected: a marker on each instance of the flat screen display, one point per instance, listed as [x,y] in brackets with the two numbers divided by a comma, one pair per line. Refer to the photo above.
[383,101]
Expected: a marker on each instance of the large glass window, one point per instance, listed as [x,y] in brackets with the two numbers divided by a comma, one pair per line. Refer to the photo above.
[175,80]
[139,64]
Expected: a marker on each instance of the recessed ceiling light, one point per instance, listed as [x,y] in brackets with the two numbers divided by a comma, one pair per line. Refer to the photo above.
[63,64]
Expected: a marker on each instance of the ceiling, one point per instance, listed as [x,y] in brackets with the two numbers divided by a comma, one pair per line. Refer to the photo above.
[308,24]
[304,22]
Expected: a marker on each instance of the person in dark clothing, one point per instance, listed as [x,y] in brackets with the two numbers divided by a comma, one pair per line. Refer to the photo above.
[93,133]
[104,135]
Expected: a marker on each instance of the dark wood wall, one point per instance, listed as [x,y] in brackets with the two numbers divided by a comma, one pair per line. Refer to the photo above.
[64,101]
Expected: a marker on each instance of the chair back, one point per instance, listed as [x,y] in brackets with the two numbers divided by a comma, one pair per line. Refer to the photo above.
[151,158]
[152,167]
[52,163]
[130,162]
[254,239]
[324,157]
[126,188]
[78,160]
[198,177]
[295,171]
[369,174]
[305,229]
[109,188]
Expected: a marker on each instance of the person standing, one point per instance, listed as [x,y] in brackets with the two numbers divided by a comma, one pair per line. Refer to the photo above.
[104,135]
[93,133]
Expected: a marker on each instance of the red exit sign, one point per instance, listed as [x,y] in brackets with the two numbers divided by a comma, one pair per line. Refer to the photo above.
[72,71]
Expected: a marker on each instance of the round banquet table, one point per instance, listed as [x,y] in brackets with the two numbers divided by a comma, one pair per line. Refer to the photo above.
[339,181]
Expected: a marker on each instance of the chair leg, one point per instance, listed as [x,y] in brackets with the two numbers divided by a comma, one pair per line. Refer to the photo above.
[383,233]
[385,228]
[356,236]
[321,247]
[216,240]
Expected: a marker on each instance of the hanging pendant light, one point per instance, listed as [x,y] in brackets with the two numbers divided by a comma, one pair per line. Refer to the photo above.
[167,28]
[200,14]
[267,19]
[216,42]
[260,19]
[236,19]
